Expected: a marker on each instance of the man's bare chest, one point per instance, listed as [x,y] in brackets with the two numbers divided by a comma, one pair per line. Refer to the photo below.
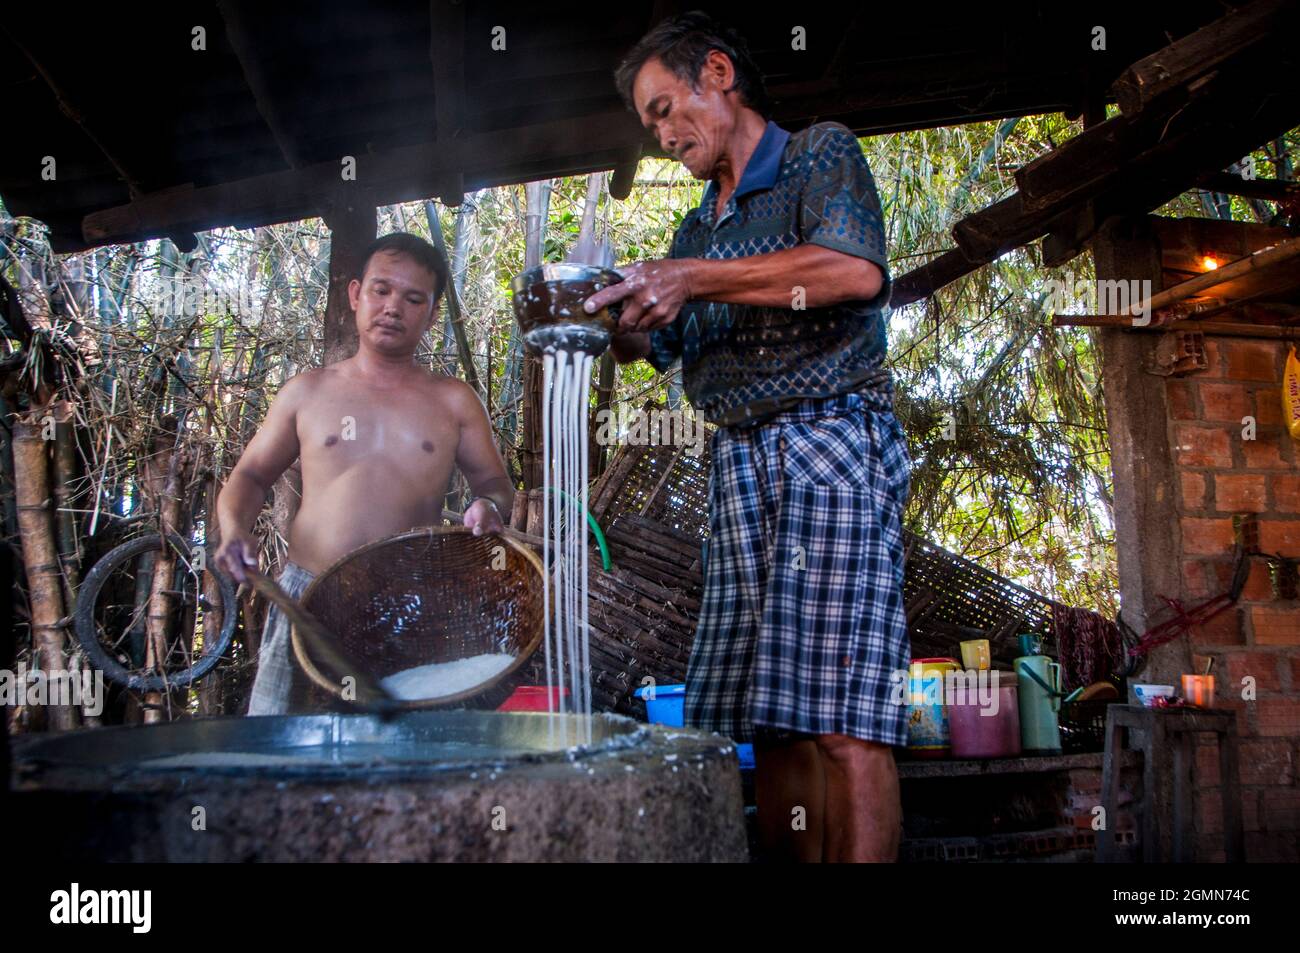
[406,431]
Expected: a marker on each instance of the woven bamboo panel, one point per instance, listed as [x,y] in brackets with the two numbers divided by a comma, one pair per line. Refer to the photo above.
[641,616]
[948,598]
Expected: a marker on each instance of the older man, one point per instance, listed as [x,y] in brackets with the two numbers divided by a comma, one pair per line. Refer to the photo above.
[377,435]
[771,298]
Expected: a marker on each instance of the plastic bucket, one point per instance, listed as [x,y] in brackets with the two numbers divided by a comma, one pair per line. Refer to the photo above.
[532,698]
[986,724]
[668,707]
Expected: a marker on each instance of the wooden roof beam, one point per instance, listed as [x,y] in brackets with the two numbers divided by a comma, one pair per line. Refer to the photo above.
[1140,174]
[250,64]
[447,57]
[401,175]
[1267,190]
[77,116]
[1183,62]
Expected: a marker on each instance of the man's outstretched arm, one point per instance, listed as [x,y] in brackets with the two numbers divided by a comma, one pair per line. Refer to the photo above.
[480,461]
[271,451]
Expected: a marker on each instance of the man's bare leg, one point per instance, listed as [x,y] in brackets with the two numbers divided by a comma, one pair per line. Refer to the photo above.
[862,811]
[788,777]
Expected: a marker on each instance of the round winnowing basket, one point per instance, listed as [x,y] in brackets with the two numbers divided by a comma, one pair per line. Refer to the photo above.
[429,595]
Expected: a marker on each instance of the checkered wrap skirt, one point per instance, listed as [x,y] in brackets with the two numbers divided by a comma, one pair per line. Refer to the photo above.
[273,686]
[802,626]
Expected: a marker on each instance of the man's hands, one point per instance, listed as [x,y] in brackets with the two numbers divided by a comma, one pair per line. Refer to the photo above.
[234,554]
[652,293]
[482,517]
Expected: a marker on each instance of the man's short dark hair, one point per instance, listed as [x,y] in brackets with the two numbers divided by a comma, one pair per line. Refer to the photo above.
[423,253]
[682,43]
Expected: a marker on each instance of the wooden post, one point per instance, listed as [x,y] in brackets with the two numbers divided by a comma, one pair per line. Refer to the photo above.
[352,223]
[165,477]
[537,195]
[40,557]
[1146,521]
[530,451]
[605,403]
[211,689]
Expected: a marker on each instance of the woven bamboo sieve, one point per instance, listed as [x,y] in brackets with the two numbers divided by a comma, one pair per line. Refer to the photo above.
[425,596]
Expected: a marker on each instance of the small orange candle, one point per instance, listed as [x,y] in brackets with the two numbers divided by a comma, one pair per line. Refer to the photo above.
[1198,690]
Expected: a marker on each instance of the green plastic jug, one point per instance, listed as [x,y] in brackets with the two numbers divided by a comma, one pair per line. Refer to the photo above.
[1039,687]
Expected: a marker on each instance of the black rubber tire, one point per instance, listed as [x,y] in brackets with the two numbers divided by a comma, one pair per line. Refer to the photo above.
[113,670]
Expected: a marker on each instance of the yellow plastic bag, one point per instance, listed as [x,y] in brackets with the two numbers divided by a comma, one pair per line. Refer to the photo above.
[1291,395]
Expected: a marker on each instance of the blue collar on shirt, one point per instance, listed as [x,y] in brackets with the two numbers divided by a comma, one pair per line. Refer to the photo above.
[761,170]
[765,164]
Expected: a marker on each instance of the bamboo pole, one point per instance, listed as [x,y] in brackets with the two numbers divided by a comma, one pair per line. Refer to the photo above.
[40,556]
[8,498]
[1219,328]
[66,472]
[1258,261]
[165,468]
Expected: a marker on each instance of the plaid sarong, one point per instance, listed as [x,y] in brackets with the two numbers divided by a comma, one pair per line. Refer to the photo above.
[802,626]
[274,681]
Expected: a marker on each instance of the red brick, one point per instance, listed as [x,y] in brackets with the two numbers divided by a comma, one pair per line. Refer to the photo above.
[1278,717]
[1281,809]
[1259,584]
[1269,848]
[1295,674]
[1209,812]
[1209,850]
[1224,629]
[1207,766]
[1194,495]
[1240,493]
[1182,400]
[1206,537]
[1203,578]
[1261,666]
[1227,402]
[1286,493]
[1206,577]
[1281,537]
[1252,361]
[1085,781]
[1276,625]
[1202,447]
[1213,358]
[1251,820]
[1268,405]
[1266,762]
[1265,452]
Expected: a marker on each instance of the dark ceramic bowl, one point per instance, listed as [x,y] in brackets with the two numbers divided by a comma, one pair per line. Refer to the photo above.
[548,306]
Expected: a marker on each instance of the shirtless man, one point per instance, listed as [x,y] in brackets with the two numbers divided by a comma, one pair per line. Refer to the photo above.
[377,435]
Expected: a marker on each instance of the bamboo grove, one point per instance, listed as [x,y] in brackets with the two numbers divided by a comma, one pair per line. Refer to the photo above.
[125,402]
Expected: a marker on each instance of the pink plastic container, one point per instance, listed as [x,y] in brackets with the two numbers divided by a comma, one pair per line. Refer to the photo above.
[981,729]
[532,698]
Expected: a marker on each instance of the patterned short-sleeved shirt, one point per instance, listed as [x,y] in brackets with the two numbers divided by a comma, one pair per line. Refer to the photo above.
[743,363]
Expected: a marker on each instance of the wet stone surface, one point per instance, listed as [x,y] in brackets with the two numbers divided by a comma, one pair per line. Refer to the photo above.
[641,793]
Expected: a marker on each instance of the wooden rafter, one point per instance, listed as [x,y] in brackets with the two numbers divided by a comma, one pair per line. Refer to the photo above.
[69,109]
[401,175]
[250,64]
[1180,64]
[447,56]
[1128,164]
[1173,304]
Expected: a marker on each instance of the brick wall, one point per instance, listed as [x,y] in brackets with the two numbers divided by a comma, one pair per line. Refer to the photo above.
[1219,473]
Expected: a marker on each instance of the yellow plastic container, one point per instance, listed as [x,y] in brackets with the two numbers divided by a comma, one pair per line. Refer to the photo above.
[976,654]
[928,735]
[1291,395]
